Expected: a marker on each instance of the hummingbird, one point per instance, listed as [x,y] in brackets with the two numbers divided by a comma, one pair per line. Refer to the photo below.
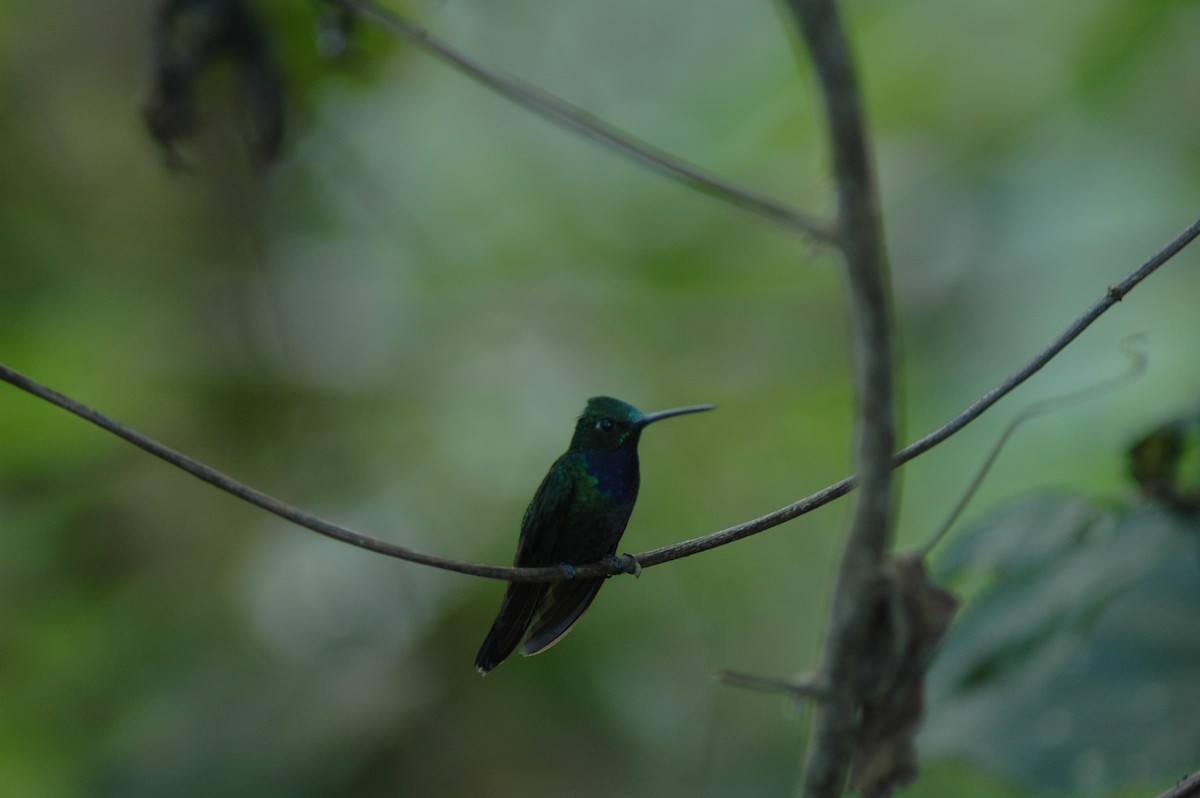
[577,516]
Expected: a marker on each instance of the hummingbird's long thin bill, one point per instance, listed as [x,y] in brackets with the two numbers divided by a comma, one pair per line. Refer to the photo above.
[650,418]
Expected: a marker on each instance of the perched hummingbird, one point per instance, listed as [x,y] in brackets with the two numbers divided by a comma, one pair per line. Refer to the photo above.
[576,517]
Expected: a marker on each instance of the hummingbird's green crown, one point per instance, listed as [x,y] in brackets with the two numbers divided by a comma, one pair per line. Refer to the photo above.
[606,424]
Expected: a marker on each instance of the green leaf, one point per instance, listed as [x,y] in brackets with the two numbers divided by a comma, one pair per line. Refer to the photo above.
[1074,666]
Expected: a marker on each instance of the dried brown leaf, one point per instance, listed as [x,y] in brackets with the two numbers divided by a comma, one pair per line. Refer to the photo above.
[913,616]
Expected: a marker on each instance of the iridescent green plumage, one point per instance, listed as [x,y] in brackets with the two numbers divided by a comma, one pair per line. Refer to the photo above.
[577,516]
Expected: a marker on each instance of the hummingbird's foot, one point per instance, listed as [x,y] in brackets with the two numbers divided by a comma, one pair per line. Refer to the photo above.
[626,564]
[568,571]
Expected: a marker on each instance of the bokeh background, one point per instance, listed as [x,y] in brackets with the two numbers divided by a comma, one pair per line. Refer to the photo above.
[396,326]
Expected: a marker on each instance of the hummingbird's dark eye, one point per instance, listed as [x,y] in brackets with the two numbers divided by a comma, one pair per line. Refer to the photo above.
[605,425]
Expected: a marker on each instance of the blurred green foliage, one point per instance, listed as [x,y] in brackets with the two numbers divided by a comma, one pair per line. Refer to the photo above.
[396,327]
[1074,663]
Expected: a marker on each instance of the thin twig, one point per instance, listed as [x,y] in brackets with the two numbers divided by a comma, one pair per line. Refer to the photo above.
[646,559]
[582,123]
[269,503]
[1111,297]
[807,688]
[1188,787]
[856,594]
[838,489]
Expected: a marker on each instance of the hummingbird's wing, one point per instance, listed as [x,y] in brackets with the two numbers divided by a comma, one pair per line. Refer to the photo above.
[546,514]
[561,607]
[549,517]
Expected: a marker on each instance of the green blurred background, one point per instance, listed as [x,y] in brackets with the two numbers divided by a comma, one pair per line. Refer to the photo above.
[396,327]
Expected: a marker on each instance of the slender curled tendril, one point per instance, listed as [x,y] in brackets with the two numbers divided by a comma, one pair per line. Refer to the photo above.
[1137,366]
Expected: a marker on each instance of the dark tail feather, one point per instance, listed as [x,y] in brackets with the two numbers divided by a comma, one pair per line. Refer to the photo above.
[564,603]
[516,612]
